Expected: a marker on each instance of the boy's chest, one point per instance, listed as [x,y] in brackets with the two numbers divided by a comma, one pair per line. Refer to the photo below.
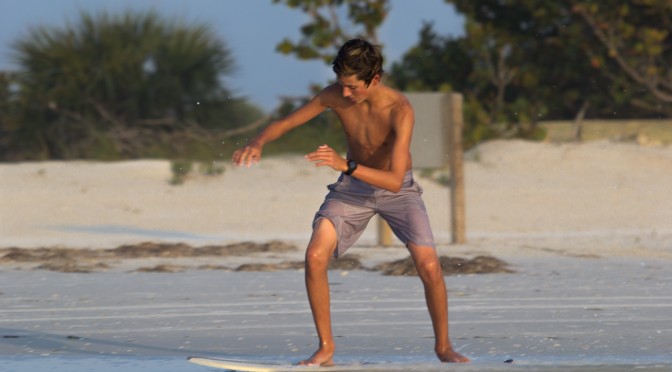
[367,128]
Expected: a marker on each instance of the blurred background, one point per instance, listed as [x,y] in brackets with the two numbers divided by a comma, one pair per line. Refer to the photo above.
[191,81]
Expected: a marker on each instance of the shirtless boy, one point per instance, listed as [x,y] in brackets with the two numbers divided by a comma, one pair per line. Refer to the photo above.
[376,178]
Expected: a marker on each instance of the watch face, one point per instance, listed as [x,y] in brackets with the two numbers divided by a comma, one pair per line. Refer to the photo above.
[352,165]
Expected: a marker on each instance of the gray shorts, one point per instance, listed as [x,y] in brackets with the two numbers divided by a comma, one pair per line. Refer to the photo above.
[351,203]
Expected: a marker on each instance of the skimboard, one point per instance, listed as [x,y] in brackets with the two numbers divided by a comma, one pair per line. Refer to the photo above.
[258,366]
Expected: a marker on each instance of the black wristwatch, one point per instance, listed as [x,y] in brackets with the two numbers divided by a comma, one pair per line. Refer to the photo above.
[352,165]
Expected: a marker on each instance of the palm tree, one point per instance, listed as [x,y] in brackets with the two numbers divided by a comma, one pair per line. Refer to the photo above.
[120,81]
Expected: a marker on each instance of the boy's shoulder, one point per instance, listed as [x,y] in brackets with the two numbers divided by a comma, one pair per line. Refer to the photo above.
[332,96]
[331,89]
[398,101]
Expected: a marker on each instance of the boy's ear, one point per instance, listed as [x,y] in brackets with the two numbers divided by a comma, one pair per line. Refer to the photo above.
[375,80]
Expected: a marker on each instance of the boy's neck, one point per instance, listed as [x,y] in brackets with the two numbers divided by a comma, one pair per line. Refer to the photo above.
[376,96]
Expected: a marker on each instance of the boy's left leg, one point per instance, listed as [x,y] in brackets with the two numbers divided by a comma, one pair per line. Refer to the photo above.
[429,270]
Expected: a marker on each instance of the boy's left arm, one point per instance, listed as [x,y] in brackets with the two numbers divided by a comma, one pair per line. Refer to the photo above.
[400,156]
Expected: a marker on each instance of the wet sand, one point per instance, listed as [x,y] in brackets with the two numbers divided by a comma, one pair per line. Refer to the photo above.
[579,314]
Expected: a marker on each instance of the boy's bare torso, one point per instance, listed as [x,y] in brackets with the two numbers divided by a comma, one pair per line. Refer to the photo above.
[368,126]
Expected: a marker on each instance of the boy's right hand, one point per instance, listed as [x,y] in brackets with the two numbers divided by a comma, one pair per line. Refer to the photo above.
[247,156]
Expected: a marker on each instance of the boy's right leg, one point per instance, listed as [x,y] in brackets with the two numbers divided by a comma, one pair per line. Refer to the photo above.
[319,252]
[430,272]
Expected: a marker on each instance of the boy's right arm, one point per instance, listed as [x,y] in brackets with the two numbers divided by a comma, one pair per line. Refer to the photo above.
[251,153]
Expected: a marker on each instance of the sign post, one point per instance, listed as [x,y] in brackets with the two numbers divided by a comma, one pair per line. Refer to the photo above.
[456,159]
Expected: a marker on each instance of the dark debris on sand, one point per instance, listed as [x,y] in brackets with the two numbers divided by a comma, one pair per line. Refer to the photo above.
[95,260]
[149,250]
[449,266]
[162,269]
[71,260]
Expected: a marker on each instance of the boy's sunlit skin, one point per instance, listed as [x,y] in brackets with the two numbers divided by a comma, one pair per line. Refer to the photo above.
[378,125]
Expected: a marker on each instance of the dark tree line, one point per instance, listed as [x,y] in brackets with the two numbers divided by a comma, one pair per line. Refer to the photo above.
[530,60]
[522,61]
[138,85]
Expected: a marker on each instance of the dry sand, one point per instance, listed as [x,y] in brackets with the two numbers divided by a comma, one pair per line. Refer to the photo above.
[598,198]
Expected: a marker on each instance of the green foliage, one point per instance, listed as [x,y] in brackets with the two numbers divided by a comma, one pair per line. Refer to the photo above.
[520,62]
[308,137]
[635,39]
[326,32]
[8,109]
[564,55]
[121,86]
[324,129]
[434,64]
[536,133]
[478,132]
[180,170]
[211,169]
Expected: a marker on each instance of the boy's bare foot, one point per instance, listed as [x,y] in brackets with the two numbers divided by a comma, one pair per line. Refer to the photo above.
[450,356]
[322,357]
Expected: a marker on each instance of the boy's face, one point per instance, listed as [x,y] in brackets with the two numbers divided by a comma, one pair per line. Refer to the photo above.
[356,90]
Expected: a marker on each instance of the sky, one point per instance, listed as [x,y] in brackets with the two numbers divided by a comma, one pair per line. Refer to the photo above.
[249,28]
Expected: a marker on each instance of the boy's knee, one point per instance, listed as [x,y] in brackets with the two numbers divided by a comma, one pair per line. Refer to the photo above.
[429,270]
[322,245]
[316,259]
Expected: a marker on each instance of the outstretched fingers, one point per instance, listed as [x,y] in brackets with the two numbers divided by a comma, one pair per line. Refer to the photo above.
[247,156]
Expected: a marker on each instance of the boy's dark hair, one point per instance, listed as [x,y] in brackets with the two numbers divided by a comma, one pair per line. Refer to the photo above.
[360,58]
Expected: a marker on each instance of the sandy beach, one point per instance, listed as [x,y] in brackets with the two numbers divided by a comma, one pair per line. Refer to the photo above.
[598,198]
[569,248]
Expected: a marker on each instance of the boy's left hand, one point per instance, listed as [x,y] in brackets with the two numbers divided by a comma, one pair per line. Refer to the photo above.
[326,156]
